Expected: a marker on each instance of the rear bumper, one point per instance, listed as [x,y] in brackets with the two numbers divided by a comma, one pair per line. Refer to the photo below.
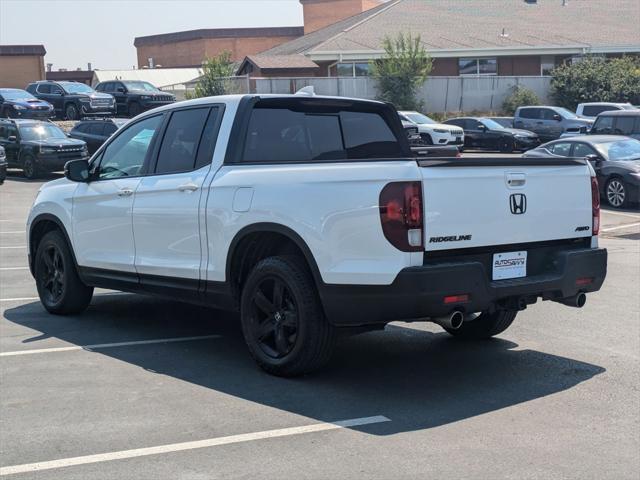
[418,292]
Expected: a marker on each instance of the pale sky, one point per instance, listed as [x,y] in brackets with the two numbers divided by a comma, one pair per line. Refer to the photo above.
[75,32]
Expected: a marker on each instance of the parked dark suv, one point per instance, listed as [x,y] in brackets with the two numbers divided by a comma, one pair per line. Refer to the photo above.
[3,165]
[134,96]
[36,146]
[619,122]
[16,103]
[73,100]
[96,131]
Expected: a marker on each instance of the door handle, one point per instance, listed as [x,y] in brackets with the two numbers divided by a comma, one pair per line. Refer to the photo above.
[188,187]
[125,192]
[515,180]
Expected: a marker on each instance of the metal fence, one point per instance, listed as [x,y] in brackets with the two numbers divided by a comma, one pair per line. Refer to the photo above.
[439,94]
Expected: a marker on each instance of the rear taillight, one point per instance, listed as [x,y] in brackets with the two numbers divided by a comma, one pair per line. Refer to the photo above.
[595,206]
[401,215]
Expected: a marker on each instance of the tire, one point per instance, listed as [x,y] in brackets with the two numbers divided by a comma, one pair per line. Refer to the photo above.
[134,109]
[286,332]
[485,326]
[29,167]
[60,289]
[71,112]
[616,193]
[507,145]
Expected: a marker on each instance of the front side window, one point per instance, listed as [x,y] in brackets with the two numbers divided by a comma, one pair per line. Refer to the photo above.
[181,139]
[595,110]
[603,125]
[530,113]
[44,88]
[478,66]
[56,90]
[125,156]
[284,135]
[582,150]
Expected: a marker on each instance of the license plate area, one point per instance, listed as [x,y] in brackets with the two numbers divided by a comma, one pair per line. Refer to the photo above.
[509,265]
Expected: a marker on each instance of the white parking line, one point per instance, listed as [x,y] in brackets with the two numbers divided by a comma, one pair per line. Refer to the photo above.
[19,299]
[13,268]
[105,345]
[14,231]
[620,227]
[13,246]
[179,447]
[621,214]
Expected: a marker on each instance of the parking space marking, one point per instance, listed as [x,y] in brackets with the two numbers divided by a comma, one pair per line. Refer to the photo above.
[13,268]
[19,299]
[621,214]
[106,345]
[179,447]
[620,227]
[14,231]
[13,246]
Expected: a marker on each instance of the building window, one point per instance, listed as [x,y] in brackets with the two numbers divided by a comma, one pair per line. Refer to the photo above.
[349,69]
[478,66]
[547,63]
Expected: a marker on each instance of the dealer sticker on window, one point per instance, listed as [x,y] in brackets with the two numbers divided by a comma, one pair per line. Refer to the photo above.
[509,265]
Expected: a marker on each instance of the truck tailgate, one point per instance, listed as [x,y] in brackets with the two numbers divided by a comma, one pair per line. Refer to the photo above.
[482,202]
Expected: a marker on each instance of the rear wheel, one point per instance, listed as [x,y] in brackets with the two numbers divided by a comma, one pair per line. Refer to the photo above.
[485,326]
[60,289]
[616,192]
[282,319]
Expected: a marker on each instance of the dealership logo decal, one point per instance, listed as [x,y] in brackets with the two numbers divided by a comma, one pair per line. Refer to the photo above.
[518,203]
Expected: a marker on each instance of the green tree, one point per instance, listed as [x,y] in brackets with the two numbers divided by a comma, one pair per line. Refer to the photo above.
[519,96]
[215,78]
[402,71]
[595,79]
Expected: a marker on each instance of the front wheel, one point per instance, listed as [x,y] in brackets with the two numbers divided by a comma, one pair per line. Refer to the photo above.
[282,319]
[507,145]
[616,193]
[485,326]
[29,167]
[60,289]
[71,112]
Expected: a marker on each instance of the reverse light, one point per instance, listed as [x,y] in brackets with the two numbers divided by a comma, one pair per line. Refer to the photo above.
[401,212]
[595,206]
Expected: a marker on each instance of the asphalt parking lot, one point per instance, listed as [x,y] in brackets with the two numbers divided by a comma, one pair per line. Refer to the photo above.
[146,388]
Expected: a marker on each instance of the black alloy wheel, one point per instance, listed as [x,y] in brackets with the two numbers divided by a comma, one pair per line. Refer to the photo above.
[274,324]
[29,167]
[507,145]
[71,112]
[51,276]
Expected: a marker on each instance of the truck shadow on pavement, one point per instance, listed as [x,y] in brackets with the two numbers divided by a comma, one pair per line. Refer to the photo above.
[418,379]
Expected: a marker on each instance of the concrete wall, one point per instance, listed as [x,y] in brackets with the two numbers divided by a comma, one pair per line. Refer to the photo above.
[192,52]
[16,71]
[440,94]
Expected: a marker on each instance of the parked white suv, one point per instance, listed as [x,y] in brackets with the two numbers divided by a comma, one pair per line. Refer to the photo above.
[432,132]
[309,214]
[592,109]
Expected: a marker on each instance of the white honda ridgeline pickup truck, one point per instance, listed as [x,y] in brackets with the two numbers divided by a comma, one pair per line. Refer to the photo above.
[309,214]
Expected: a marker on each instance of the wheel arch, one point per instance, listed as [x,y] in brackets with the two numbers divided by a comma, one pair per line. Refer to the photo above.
[40,226]
[274,231]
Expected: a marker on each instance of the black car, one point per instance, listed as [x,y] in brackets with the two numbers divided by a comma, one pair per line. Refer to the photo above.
[95,132]
[73,100]
[36,146]
[16,103]
[616,160]
[3,165]
[135,96]
[484,133]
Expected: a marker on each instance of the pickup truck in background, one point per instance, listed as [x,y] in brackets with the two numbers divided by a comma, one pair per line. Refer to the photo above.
[311,216]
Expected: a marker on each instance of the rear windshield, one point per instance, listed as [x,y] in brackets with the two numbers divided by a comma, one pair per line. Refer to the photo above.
[320,132]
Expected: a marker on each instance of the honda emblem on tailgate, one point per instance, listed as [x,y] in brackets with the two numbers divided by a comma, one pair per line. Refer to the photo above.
[518,203]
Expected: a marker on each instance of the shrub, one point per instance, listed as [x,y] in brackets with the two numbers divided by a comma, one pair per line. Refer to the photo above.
[215,78]
[595,79]
[402,71]
[519,96]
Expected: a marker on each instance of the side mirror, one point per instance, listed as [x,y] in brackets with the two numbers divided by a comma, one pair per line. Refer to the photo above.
[12,139]
[557,117]
[121,90]
[594,158]
[77,170]
[482,127]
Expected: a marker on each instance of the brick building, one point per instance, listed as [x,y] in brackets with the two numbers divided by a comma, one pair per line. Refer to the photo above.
[21,64]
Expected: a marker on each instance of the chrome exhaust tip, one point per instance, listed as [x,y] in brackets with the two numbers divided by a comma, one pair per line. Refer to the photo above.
[453,321]
[577,301]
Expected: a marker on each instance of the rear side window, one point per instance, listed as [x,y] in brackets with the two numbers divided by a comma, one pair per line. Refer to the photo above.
[529,113]
[625,126]
[582,150]
[95,128]
[595,110]
[181,139]
[603,125]
[457,122]
[44,88]
[320,134]
[81,128]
